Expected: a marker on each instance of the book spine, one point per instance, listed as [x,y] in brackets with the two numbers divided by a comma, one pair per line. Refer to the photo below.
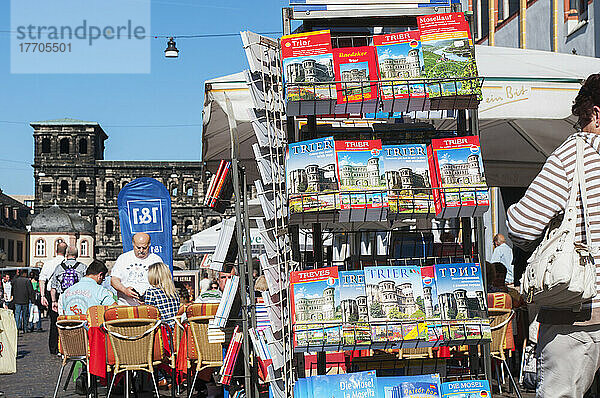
[217,176]
[222,179]
[433,173]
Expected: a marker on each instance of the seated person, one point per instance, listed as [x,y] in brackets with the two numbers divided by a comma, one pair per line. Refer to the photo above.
[499,285]
[162,293]
[87,292]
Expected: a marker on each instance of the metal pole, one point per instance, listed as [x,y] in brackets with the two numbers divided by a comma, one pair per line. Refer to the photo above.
[241,261]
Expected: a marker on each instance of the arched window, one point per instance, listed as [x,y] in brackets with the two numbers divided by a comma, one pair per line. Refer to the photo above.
[64,187]
[174,190]
[189,226]
[85,249]
[110,190]
[82,189]
[64,146]
[40,248]
[110,227]
[189,191]
[56,243]
[83,146]
[45,145]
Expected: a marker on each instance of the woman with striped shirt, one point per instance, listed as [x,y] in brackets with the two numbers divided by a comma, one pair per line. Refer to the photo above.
[568,349]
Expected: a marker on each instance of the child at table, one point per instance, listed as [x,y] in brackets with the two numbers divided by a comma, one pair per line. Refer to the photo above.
[162,294]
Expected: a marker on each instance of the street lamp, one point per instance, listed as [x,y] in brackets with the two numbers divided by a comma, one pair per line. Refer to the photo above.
[171,51]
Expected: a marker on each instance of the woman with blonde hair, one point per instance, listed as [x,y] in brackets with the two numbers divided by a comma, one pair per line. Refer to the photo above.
[162,294]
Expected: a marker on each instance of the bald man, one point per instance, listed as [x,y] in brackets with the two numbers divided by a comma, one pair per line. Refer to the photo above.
[129,275]
[503,254]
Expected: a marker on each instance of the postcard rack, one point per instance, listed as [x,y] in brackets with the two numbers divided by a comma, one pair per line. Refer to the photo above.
[401,233]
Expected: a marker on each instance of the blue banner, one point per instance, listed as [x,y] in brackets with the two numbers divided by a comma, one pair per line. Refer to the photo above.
[145,206]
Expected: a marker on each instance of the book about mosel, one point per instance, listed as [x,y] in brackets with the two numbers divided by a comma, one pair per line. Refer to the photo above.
[392,386]
[400,58]
[466,389]
[355,68]
[448,53]
[360,167]
[460,292]
[316,310]
[310,174]
[348,385]
[355,314]
[407,179]
[307,61]
[457,176]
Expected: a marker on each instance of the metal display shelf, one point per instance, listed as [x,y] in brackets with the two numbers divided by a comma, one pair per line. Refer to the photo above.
[364,12]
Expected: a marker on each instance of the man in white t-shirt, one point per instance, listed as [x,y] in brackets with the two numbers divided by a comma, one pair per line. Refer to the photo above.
[129,275]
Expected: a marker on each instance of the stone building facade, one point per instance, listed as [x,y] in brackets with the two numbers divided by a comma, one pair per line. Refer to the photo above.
[70,170]
[14,218]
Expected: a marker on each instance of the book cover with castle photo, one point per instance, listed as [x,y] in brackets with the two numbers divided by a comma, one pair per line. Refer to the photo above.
[460,291]
[395,294]
[355,314]
[310,169]
[448,52]
[400,57]
[307,58]
[360,168]
[407,179]
[316,310]
[457,177]
[355,69]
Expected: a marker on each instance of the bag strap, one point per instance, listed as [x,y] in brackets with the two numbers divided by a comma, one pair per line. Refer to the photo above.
[579,170]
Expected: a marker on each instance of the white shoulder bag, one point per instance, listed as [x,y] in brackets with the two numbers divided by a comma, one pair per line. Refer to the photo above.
[561,273]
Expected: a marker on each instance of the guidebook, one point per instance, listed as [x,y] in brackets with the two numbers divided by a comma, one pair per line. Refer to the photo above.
[466,389]
[310,174]
[347,385]
[355,68]
[316,311]
[396,303]
[448,53]
[460,291]
[355,314]
[361,175]
[457,177]
[400,58]
[407,179]
[392,386]
[307,61]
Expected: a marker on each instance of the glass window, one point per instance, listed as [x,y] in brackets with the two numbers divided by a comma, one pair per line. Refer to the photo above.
[11,250]
[84,248]
[64,187]
[110,190]
[110,227]
[19,251]
[45,145]
[83,149]
[40,248]
[64,146]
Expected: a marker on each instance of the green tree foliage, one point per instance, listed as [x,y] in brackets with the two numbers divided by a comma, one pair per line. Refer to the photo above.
[420,303]
[376,310]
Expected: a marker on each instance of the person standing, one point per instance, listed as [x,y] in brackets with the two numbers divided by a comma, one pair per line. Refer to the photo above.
[568,351]
[205,283]
[34,307]
[22,296]
[45,275]
[7,291]
[503,254]
[87,292]
[67,274]
[129,275]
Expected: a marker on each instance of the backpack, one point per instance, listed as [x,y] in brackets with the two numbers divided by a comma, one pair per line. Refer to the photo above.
[69,277]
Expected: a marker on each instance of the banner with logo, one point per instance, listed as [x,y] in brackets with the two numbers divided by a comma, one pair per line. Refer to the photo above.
[145,206]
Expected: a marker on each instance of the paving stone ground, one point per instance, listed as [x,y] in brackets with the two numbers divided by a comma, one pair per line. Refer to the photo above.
[37,371]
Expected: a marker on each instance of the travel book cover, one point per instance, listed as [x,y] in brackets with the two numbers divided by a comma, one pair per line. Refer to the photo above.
[310,169]
[466,389]
[307,58]
[355,314]
[355,69]
[391,386]
[407,179]
[400,57]
[448,52]
[396,302]
[316,311]
[457,177]
[420,389]
[461,294]
[361,168]
[347,385]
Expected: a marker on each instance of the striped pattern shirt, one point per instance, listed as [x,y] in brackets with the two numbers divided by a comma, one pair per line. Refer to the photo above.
[547,197]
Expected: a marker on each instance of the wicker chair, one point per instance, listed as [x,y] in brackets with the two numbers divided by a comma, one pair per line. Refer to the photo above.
[204,354]
[72,335]
[500,319]
[132,332]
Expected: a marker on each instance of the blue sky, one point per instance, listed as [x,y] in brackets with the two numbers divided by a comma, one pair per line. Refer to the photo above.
[171,95]
[314,289]
[402,274]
